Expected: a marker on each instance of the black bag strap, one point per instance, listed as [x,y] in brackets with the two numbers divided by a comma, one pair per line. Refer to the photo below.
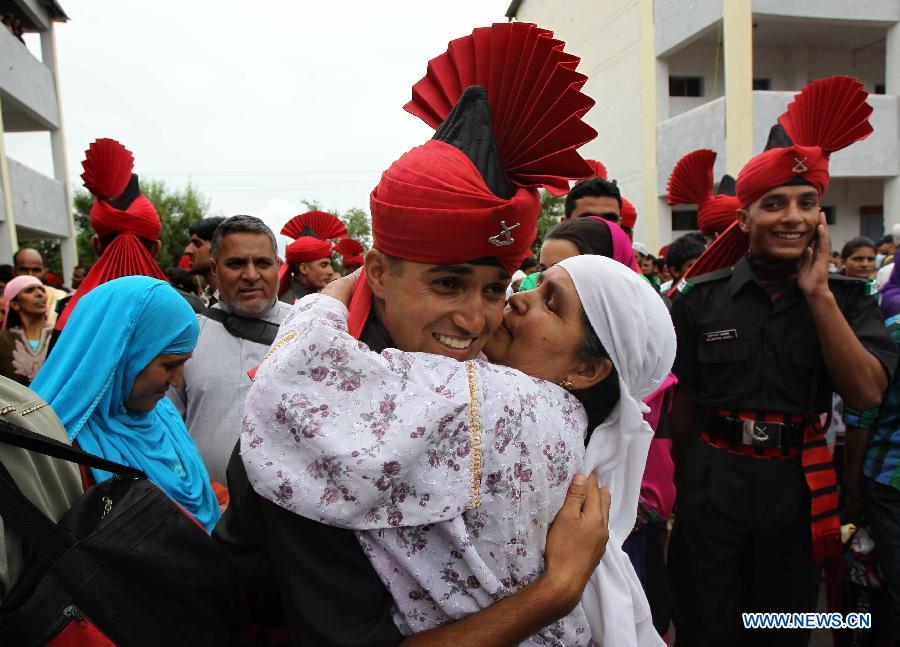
[32,525]
[13,434]
[259,331]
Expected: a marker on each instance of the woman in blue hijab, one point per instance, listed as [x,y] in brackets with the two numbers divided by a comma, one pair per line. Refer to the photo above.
[125,343]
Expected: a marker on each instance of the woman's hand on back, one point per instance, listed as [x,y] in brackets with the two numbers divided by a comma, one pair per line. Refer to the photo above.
[342,288]
[577,538]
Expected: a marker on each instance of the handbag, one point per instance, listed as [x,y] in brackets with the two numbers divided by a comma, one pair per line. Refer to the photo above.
[125,565]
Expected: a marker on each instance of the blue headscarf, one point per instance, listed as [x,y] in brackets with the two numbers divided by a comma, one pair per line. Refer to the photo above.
[114,332]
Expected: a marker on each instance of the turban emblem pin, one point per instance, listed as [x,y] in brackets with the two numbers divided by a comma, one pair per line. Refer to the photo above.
[800,166]
[504,238]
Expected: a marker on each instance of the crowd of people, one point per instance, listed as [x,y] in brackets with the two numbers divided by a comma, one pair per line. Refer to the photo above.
[458,437]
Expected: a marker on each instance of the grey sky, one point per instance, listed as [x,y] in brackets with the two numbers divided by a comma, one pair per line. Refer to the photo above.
[260,104]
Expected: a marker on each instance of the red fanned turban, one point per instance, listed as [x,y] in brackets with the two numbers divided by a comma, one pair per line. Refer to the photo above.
[507,107]
[691,182]
[121,211]
[629,214]
[826,116]
[351,252]
[307,249]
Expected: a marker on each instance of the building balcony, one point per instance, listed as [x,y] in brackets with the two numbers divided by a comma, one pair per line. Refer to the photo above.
[38,202]
[27,88]
[704,127]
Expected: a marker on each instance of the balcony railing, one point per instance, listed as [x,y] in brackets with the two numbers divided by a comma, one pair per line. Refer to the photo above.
[39,202]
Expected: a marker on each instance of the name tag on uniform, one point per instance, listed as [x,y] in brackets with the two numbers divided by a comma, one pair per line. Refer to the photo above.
[720,335]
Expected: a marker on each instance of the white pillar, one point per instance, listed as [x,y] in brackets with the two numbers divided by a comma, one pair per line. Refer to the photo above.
[68,246]
[737,30]
[892,86]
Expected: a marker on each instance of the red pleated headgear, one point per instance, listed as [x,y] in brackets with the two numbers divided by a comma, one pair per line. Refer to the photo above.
[629,214]
[121,211]
[691,182]
[507,106]
[826,116]
[351,252]
[307,249]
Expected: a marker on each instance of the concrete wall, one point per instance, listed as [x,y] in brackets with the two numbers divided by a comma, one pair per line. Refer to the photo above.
[847,196]
[874,157]
[792,68]
[702,127]
[606,36]
[679,22]
[30,85]
[869,10]
[38,201]
[698,59]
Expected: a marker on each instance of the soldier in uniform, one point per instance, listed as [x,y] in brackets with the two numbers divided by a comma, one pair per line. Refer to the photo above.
[762,343]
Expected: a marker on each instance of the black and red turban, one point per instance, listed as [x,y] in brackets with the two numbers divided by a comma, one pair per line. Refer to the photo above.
[507,106]
[119,212]
[691,182]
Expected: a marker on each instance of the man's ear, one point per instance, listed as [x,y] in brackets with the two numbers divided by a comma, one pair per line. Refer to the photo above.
[590,372]
[213,269]
[155,246]
[96,245]
[674,272]
[377,267]
[743,216]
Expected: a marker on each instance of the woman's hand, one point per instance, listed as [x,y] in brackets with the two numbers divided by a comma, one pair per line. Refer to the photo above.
[342,288]
[577,538]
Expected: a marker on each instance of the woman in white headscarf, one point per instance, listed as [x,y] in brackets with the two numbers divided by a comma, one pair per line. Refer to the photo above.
[452,472]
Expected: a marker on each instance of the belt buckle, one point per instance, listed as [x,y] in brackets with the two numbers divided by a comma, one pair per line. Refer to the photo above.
[761,434]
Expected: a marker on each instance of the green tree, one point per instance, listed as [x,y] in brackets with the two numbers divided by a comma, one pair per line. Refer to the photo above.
[552,210]
[178,209]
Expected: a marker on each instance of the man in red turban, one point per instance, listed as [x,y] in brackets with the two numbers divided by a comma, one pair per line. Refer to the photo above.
[763,341]
[125,223]
[452,220]
[309,263]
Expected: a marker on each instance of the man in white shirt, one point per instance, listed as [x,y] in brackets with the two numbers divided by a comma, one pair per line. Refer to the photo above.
[235,335]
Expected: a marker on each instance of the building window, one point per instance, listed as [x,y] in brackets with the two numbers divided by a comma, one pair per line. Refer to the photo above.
[685,86]
[684,221]
[830,215]
[879,88]
[762,84]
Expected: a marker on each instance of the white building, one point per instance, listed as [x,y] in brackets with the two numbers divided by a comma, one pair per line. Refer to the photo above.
[32,205]
[671,76]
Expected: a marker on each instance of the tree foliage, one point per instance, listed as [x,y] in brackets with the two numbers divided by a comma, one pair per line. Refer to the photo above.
[552,210]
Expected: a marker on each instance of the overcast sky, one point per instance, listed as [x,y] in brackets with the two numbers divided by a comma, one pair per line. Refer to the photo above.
[260,103]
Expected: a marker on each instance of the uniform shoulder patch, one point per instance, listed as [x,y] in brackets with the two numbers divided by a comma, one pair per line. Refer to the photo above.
[685,286]
[868,286]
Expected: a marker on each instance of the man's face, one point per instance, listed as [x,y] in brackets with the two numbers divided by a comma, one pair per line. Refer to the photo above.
[782,223]
[676,272]
[442,309]
[648,267]
[78,275]
[29,262]
[198,251]
[316,274]
[605,207]
[246,272]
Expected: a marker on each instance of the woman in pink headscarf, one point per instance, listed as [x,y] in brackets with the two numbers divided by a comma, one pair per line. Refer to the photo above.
[25,335]
[594,235]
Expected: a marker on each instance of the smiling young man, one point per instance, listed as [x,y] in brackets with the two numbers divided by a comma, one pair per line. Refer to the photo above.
[449,228]
[309,261]
[762,343]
